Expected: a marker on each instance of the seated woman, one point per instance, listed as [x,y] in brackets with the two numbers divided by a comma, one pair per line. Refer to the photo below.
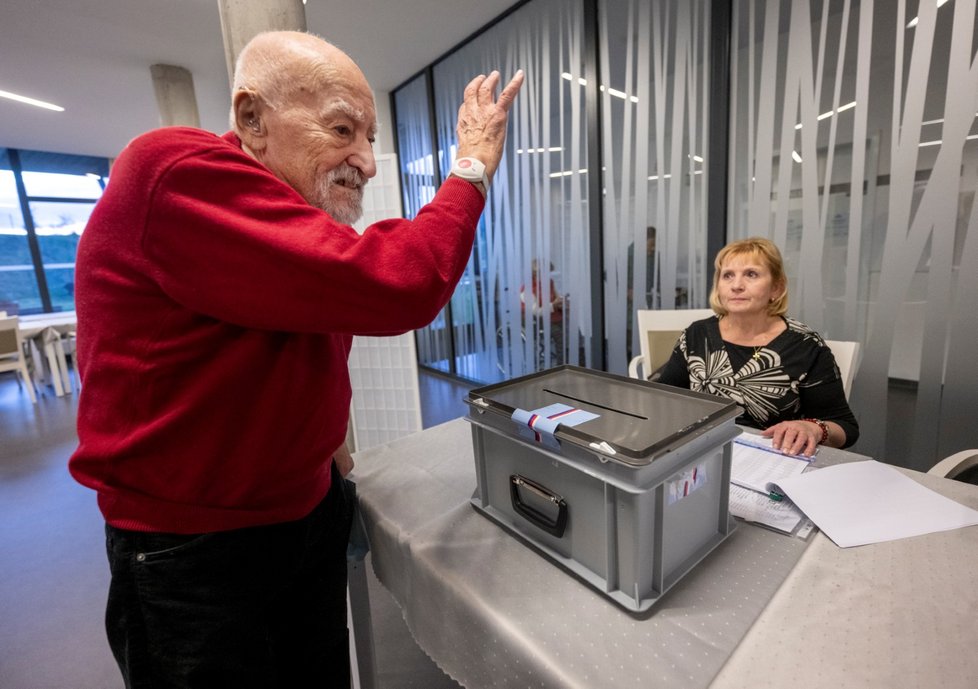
[780,371]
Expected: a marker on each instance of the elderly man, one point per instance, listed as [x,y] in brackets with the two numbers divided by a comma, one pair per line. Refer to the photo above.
[218,290]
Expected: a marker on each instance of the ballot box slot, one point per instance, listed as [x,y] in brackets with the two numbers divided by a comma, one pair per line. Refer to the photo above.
[597,405]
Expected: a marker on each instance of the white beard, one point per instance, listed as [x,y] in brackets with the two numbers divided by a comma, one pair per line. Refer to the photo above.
[343,203]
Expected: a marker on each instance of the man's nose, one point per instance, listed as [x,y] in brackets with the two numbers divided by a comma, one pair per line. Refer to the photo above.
[363,159]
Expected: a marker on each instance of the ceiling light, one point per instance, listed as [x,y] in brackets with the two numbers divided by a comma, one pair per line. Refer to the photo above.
[913,22]
[940,141]
[824,115]
[795,156]
[613,92]
[655,177]
[552,149]
[31,101]
[937,121]
[566,173]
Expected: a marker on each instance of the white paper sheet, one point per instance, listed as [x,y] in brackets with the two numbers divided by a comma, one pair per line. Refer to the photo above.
[755,465]
[869,502]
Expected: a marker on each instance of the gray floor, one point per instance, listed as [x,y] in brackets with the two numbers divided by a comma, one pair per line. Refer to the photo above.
[53,572]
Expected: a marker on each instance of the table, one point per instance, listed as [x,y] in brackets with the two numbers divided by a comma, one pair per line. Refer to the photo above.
[760,609]
[44,331]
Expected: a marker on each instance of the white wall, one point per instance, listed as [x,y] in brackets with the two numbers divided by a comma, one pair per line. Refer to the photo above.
[385,129]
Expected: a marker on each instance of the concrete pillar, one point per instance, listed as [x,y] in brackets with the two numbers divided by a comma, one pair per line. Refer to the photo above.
[174,87]
[242,20]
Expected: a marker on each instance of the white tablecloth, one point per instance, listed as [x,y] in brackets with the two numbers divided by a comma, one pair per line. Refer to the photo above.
[896,615]
[492,612]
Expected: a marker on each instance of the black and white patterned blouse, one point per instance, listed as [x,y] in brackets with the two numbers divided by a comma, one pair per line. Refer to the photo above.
[794,376]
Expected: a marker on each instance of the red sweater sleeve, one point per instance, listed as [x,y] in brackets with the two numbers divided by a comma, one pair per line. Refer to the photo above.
[228,239]
[215,309]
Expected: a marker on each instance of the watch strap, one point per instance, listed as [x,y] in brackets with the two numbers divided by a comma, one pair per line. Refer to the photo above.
[471,170]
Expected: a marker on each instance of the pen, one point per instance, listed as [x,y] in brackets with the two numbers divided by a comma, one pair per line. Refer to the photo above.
[774,495]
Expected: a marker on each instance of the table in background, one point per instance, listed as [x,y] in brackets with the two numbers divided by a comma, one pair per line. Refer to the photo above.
[492,612]
[45,331]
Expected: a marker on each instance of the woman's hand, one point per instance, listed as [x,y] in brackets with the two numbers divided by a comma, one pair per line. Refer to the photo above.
[794,437]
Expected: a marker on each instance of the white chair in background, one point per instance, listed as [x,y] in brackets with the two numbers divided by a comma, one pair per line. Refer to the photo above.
[961,466]
[658,332]
[12,354]
[846,355]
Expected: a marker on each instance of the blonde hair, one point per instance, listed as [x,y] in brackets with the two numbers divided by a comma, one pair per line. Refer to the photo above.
[767,253]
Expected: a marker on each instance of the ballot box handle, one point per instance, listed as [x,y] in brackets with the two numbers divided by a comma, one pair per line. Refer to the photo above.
[554,524]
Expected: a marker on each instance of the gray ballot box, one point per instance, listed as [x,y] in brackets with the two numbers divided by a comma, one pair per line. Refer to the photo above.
[623,482]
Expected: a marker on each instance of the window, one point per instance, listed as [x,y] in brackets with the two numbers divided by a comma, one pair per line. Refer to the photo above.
[37,251]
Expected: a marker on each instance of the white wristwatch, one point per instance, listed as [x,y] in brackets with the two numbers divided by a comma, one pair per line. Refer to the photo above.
[471,170]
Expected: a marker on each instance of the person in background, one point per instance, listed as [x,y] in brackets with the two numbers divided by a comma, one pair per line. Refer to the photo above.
[218,289]
[555,303]
[538,308]
[777,369]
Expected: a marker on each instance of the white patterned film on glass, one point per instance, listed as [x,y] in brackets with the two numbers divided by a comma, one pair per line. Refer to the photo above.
[386,403]
[654,109]
[536,211]
[853,146]
[418,184]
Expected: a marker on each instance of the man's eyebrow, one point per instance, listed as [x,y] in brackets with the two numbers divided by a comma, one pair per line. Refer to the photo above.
[342,107]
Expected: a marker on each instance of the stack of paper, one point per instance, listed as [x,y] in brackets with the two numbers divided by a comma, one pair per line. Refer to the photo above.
[756,467]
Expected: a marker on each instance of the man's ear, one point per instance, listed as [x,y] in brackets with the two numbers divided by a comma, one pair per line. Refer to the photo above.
[248,122]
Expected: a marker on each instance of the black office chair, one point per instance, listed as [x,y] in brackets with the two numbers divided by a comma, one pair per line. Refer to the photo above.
[961,466]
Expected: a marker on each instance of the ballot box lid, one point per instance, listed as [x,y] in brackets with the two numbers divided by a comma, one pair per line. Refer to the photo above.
[637,419]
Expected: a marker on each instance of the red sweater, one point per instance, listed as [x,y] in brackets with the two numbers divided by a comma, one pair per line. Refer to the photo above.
[215,315]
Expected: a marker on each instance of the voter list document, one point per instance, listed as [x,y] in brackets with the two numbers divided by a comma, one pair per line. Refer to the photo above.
[756,467]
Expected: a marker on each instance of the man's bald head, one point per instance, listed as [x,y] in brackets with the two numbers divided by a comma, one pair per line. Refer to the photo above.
[278,65]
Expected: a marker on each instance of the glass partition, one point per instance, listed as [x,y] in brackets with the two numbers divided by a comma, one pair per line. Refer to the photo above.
[524,301]
[854,147]
[655,94]
[418,186]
